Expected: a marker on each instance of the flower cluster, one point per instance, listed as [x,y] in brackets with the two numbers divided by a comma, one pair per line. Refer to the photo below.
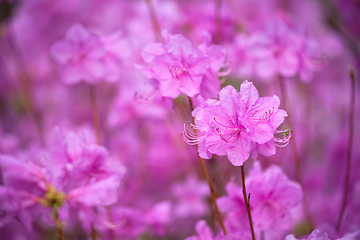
[93,100]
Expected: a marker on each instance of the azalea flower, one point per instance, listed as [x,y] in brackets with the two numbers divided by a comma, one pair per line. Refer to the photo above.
[230,125]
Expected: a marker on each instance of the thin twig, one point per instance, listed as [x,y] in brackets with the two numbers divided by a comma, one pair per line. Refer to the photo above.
[295,154]
[211,187]
[96,121]
[58,224]
[93,232]
[25,81]
[154,21]
[349,150]
[217,21]
[95,113]
[247,205]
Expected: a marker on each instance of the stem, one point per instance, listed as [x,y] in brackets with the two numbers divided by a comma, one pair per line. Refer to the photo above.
[298,173]
[96,120]
[212,190]
[93,232]
[335,21]
[349,150]
[154,21]
[25,83]
[247,205]
[217,34]
[95,113]
[59,233]
[109,217]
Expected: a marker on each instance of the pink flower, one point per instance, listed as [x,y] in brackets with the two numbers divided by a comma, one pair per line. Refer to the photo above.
[203,232]
[272,196]
[181,68]
[86,57]
[281,51]
[230,126]
[191,197]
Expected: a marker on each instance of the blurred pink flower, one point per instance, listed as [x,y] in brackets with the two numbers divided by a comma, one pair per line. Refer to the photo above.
[191,197]
[181,68]
[87,57]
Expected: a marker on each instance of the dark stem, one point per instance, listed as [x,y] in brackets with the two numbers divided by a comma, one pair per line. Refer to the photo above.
[59,233]
[154,20]
[335,21]
[95,113]
[96,120]
[93,232]
[296,158]
[349,150]
[217,21]
[247,205]
[211,187]
[262,235]
[109,217]
[25,82]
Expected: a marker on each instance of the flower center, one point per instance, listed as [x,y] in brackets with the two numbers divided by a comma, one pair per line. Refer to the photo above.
[227,131]
[178,70]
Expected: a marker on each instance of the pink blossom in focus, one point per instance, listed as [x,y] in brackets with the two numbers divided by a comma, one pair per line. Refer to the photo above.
[230,125]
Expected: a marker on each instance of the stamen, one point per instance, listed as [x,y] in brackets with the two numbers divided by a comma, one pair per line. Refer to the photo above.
[284,141]
[192,138]
[147,99]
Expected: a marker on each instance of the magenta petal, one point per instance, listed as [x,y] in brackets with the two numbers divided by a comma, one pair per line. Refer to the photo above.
[152,50]
[263,216]
[239,151]
[203,230]
[179,46]
[190,85]
[267,149]
[217,57]
[62,51]
[288,64]
[203,152]
[101,193]
[95,68]
[266,68]
[169,88]
[210,85]
[228,106]
[161,66]
[279,118]
[216,145]
[74,74]
[30,179]
[262,133]
[77,33]
[249,94]
[227,91]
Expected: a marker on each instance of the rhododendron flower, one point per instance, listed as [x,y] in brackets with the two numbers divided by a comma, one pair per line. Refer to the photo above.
[181,68]
[191,197]
[228,126]
[86,57]
[280,50]
[80,175]
[272,197]
[317,235]
[203,232]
